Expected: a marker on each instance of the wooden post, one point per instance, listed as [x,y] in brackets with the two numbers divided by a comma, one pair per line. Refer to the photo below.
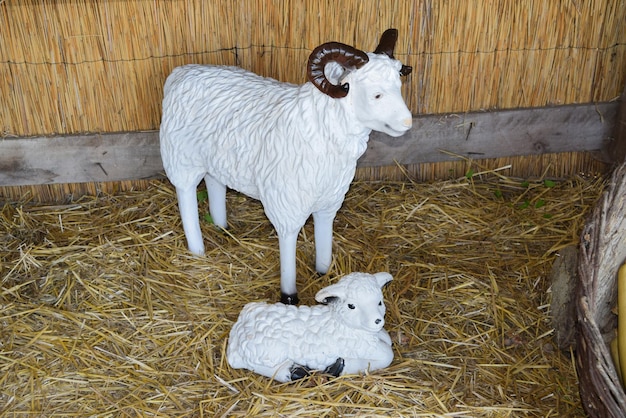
[617,147]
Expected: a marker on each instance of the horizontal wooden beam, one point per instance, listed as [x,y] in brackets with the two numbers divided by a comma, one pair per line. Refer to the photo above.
[80,158]
[495,134]
[433,138]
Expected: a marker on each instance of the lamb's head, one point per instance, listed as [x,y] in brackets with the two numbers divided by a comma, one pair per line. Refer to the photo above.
[370,81]
[357,299]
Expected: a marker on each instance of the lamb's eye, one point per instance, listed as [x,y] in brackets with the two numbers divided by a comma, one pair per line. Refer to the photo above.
[378,96]
[351,306]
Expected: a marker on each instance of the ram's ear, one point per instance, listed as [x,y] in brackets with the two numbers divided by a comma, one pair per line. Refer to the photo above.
[331,293]
[383,278]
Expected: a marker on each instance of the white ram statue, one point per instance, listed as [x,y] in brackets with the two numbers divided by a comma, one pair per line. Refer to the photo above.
[343,336]
[293,147]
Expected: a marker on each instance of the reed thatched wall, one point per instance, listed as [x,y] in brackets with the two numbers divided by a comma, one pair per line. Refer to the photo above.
[98,66]
[87,66]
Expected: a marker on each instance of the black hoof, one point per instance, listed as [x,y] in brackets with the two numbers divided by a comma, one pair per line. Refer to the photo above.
[336,368]
[289,299]
[299,372]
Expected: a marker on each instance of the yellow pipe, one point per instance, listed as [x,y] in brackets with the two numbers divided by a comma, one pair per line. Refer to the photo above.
[621,318]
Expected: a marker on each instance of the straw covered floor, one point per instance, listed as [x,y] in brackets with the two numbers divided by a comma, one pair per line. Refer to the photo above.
[103,312]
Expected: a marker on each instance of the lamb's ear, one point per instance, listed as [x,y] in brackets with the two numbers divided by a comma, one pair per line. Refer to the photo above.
[331,293]
[382,278]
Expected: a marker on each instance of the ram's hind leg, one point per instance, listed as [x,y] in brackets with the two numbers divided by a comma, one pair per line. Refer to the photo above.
[323,226]
[188,207]
[217,201]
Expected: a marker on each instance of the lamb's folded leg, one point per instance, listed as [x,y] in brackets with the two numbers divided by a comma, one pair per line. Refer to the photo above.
[298,371]
[336,368]
[280,372]
[379,360]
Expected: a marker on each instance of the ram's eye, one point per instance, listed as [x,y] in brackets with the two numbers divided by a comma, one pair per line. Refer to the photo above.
[380,303]
[351,306]
[378,96]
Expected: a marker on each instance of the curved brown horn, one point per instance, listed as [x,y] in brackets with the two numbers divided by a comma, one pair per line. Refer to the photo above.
[344,55]
[387,42]
[386,46]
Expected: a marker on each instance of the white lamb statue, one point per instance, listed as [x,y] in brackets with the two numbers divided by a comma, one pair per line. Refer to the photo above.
[293,147]
[345,335]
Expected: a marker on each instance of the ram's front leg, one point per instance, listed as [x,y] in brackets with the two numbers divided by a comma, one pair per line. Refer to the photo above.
[323,226]
[287,248]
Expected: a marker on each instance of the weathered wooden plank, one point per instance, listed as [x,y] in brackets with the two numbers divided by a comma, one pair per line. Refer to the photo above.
[497,134]
[79,158]
[135,155]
